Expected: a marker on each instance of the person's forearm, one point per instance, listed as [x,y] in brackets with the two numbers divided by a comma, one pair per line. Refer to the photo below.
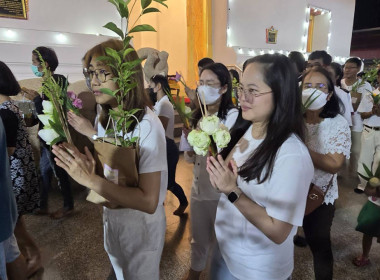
[366,115]
[325,162]
[275,230]
[127,197]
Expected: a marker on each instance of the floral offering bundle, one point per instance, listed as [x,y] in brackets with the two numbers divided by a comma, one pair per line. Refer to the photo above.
[372,179]
[54,117]
[211,135]
[375,97]
[179,105]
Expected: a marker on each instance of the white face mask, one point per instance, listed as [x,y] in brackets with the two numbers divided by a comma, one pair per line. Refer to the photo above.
[319,96]
[210,94]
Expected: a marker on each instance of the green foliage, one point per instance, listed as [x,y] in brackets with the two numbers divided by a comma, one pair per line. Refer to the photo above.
[123,120]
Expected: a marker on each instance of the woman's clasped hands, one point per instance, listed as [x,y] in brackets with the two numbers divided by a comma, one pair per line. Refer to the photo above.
[223,175]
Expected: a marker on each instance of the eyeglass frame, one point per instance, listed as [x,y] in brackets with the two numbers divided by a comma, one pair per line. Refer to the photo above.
[249,97]
[87,74]
[326,87]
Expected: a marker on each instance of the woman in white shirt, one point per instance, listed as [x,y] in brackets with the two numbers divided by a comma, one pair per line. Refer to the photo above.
[214,89]
[329,142]
[165,112]
[134,234]
[264,176]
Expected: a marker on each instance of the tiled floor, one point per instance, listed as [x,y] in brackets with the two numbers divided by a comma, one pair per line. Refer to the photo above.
[72,248]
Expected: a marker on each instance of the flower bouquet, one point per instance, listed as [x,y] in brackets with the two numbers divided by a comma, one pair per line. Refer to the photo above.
[117,154]
[211,136]
[54,117]
[372,179]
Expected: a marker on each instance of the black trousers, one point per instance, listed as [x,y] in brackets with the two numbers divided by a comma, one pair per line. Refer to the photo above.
[172,157]
[317,227]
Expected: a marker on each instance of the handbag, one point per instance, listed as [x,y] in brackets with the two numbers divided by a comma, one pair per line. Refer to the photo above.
[316,196]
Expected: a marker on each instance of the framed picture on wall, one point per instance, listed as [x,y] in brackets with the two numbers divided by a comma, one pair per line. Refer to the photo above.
[14,9]
[271,35]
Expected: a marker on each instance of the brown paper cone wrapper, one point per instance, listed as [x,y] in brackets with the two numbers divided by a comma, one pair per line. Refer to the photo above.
[116,164]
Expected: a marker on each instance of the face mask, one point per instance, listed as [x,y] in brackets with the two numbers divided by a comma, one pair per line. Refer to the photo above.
[319,96]
[35,71]
[210,94]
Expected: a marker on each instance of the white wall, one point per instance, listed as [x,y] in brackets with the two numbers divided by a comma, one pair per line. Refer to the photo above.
[321,31]
[249,19]
[78,20]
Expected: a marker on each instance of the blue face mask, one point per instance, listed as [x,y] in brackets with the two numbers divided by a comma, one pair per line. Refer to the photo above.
[35,71]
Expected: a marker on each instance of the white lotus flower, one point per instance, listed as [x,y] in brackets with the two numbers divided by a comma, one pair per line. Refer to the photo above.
[48,135]
[48,107]
[209,124]
[187,110]
[200,152]
[45,120]
[221,137]
[199,139]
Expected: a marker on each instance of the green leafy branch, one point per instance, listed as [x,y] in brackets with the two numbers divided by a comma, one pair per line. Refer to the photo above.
[125,69]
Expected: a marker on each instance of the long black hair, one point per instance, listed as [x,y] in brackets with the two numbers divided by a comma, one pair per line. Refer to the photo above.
[221,71]
[285,119]
[163,81]
[8,83]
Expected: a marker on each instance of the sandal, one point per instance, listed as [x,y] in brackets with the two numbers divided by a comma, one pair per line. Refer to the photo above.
[361,261]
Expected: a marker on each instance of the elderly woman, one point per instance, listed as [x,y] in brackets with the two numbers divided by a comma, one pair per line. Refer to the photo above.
[264,176]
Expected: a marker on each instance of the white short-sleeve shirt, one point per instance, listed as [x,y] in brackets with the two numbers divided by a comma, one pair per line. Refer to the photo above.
[346,103]
[357,122]
[152,149]
[248,253]
[366,106]
[164,108]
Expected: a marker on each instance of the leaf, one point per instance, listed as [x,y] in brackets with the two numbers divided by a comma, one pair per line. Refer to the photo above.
[57,140]
[161,2]
[364,177]
[104,58]
[114,54]
[107,91]
[150,10]
[127,51]
[57,129]
[377,173]
[145,3]
[111,26]
[367,170]
[123,10]
[141,28]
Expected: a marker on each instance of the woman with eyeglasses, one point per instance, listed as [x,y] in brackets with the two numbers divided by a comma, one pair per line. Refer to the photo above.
[263,174]
[159,87]
[329,142]
[214,89]
[134,233]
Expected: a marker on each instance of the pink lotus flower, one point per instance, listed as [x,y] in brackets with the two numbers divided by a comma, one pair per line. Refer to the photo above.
[71,95]
[78,103]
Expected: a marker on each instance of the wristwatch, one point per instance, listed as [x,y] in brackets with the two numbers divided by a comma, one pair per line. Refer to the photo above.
[234,195]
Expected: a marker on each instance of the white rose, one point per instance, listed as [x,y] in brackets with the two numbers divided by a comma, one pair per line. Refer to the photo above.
[48,135]
[45,120]
[221,137]
[209,124]
[200,152]
[199,139]
[48,107]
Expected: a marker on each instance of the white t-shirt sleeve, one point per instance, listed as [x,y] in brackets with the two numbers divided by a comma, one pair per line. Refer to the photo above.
[339,137]
[165,109]
[288,188]
[366,104]
[152,145]
[231,118]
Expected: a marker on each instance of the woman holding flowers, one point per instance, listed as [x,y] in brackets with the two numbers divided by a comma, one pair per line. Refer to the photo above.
[263,174]
[214,91]
[165,112]
[134,233]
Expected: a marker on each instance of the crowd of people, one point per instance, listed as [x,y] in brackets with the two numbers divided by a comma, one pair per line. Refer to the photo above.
[247,203]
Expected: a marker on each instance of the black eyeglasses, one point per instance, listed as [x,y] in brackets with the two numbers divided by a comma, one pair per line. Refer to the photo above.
[100,74]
